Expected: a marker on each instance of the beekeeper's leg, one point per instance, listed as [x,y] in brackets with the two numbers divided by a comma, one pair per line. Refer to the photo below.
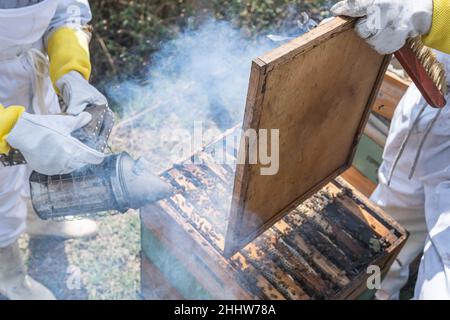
[403,205]
[434,273]
[14,282]
[403,199]
[433,281]
[412,220]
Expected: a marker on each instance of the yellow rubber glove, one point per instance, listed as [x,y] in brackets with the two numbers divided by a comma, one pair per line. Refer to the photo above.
[68,50]
[439,35]
[8,119]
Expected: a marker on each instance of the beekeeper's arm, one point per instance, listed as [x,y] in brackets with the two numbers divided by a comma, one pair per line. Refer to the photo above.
[387,24]
[67,42]
[45,141]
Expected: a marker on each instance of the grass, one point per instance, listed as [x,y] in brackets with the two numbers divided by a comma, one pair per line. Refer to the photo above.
[127,33]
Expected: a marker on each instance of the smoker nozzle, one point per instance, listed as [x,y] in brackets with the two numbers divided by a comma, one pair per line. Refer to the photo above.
[138,186]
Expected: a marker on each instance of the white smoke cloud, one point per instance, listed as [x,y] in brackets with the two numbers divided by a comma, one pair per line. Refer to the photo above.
[200,76]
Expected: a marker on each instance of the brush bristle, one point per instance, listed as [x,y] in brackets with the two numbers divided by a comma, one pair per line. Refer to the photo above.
[433,67]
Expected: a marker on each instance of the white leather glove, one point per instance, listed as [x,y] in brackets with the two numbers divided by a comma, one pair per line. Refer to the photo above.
[78,93]
[48,147]
[387,24]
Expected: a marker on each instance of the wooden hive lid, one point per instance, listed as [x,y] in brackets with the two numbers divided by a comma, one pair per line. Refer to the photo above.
[317,90]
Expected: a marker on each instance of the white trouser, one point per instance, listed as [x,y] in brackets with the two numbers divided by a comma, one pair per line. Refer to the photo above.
[420,204]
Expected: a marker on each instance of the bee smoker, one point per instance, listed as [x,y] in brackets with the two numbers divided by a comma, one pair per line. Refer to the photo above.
[119,183]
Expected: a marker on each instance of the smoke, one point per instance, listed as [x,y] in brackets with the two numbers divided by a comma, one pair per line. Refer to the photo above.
[199,78]
[203,75]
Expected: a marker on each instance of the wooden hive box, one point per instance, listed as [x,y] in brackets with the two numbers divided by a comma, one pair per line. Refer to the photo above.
[231,233]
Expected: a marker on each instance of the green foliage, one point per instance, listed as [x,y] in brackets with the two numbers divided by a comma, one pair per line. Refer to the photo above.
[128,32]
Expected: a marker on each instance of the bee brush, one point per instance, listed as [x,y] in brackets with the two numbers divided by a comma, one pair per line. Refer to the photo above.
[427,73]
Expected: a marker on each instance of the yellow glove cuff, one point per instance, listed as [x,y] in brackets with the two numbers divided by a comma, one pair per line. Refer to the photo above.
[68,50]
[438,37]
[8,119]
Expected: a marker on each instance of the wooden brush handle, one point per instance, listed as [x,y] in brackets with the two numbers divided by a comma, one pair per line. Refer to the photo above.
[420,77]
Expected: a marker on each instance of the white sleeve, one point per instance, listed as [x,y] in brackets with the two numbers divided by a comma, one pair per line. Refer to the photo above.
[72,13]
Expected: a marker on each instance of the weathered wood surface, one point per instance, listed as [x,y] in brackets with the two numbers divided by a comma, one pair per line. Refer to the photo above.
[320,250]
[359,181]
[317,90]
[391,92]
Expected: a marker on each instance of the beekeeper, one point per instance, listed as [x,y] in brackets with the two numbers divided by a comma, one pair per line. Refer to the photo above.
[43,51]
[415,175]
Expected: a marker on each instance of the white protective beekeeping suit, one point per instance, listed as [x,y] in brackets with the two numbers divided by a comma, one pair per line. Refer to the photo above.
[24,28]
[421,203]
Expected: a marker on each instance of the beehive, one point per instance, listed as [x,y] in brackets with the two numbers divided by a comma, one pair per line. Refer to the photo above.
[320,250]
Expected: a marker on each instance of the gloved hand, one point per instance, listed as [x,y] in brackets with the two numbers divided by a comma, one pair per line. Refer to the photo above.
[48,147]
[78,93]
[387,24]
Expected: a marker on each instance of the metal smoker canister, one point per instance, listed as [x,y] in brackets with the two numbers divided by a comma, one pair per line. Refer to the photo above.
[118,184]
